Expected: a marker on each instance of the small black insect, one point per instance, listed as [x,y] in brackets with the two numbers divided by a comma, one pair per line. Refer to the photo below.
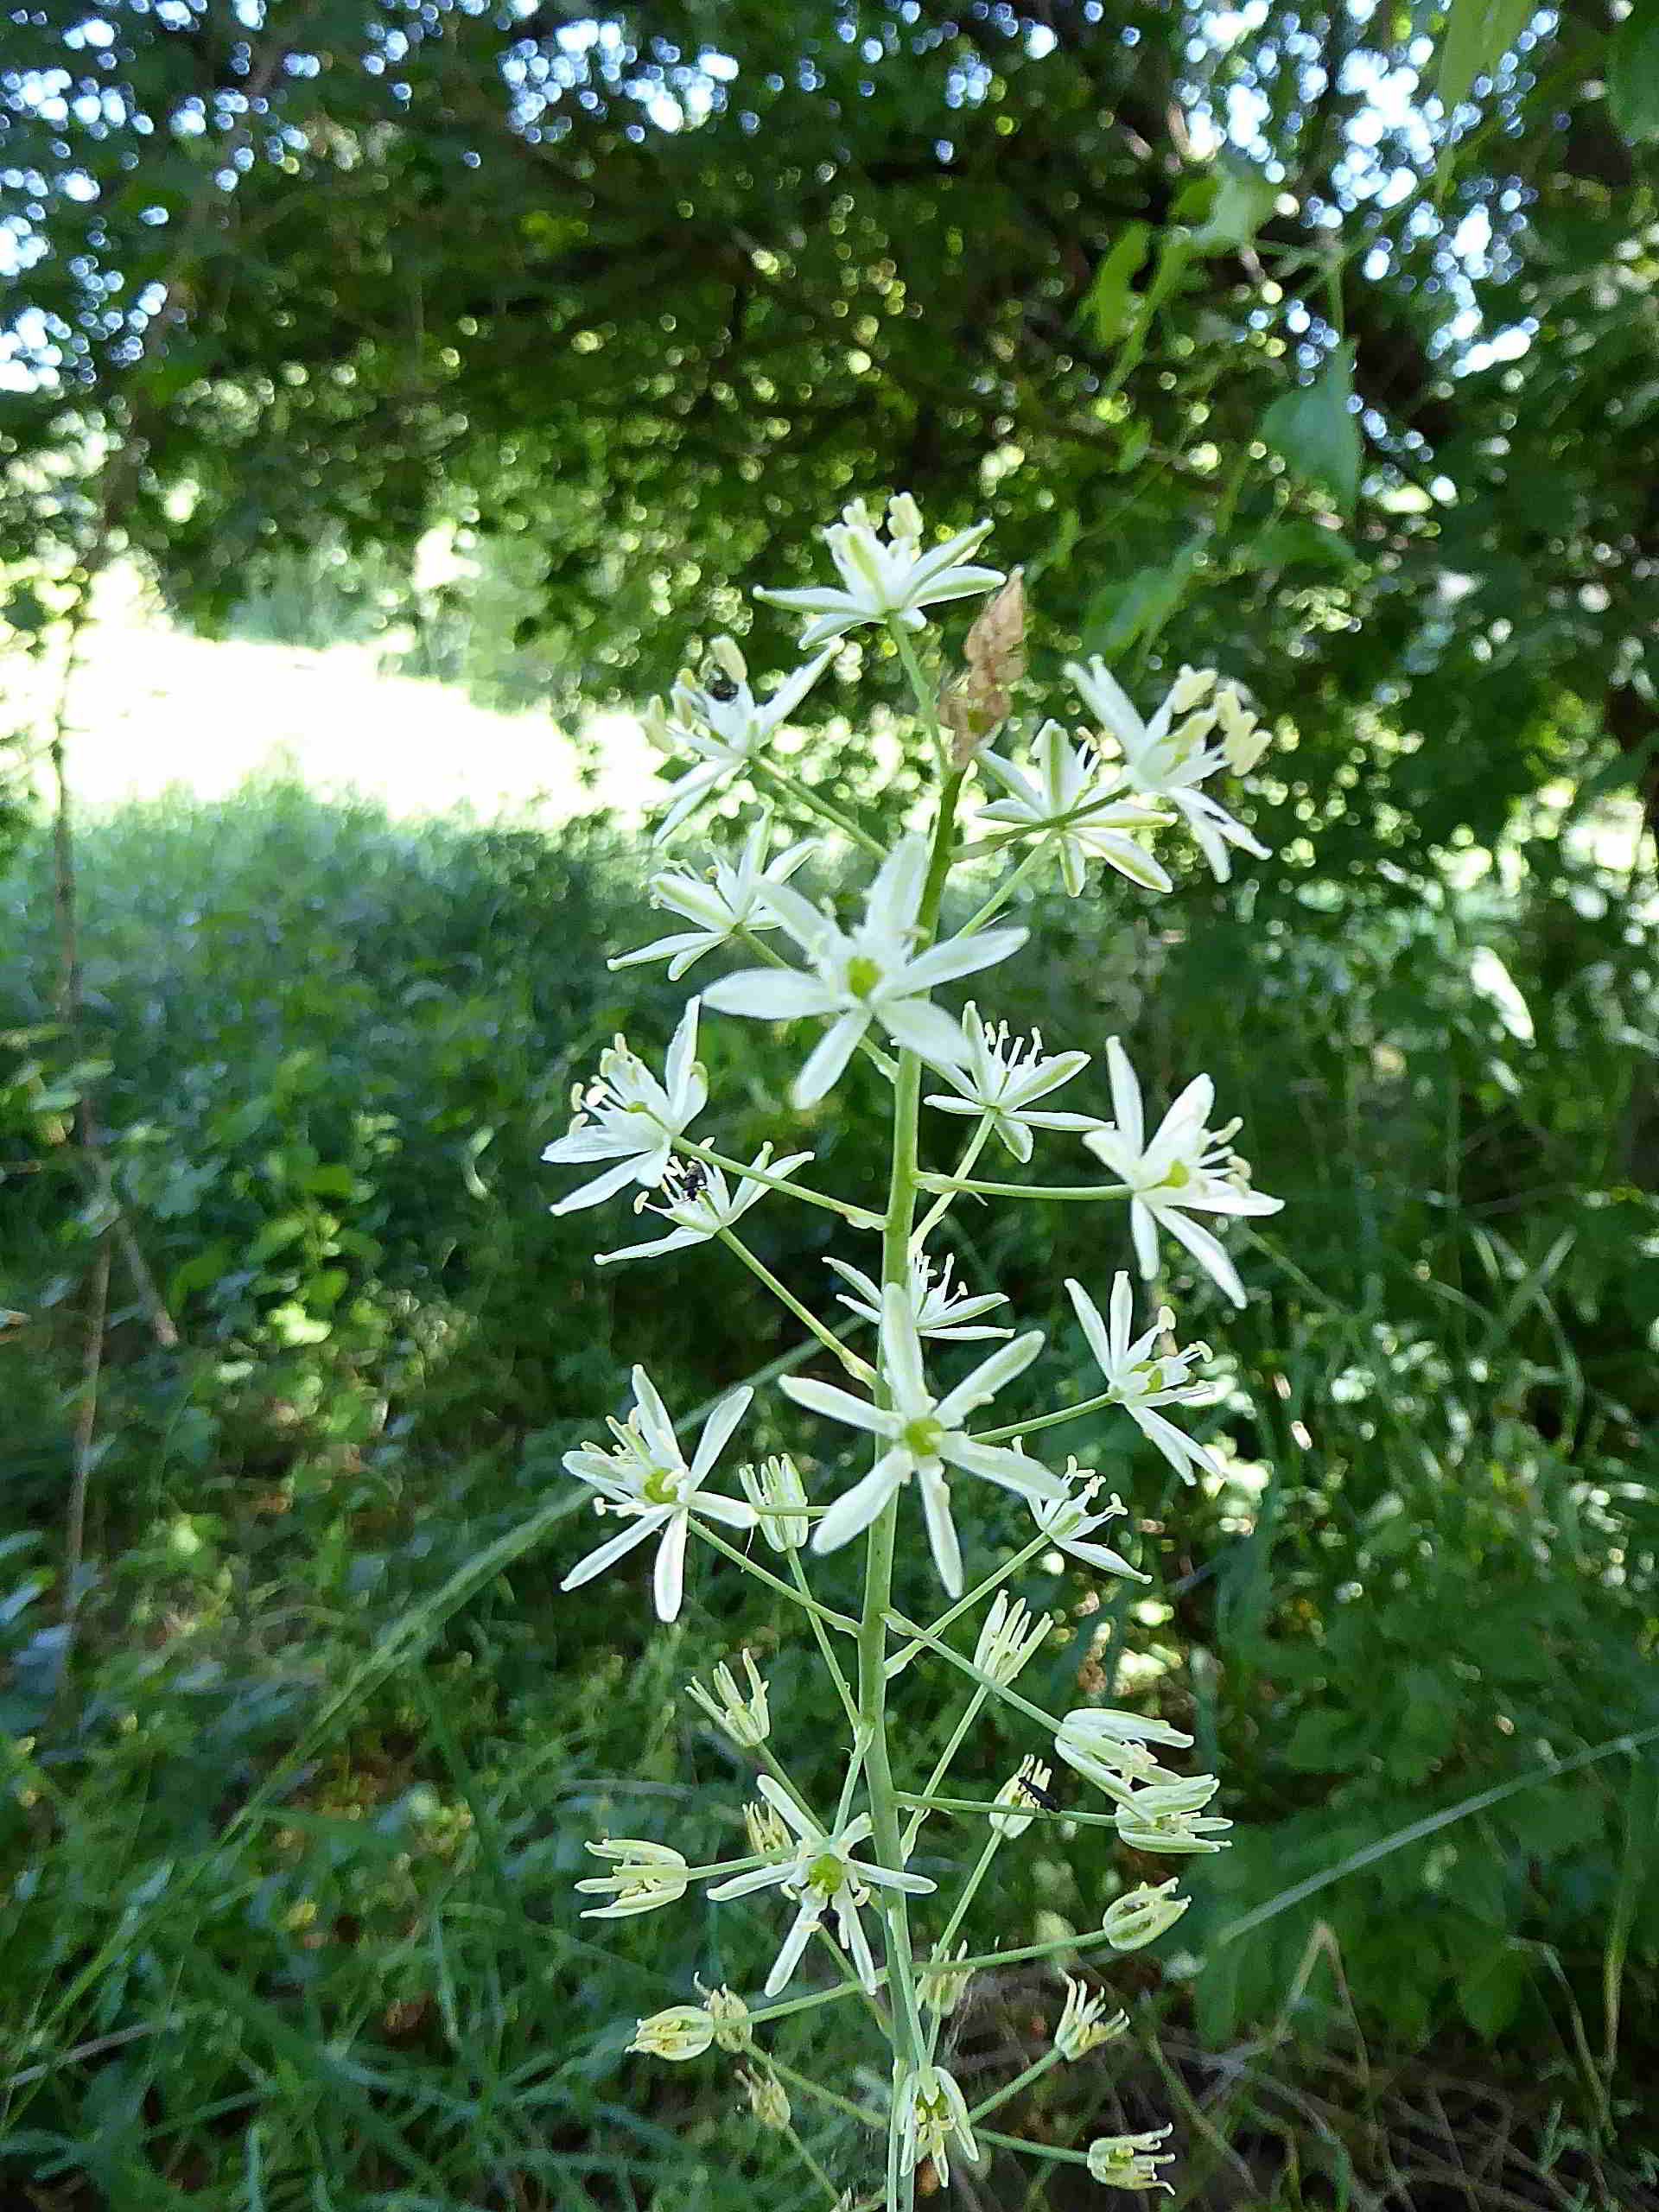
[1038,1796]
[720,688]
[689,1179]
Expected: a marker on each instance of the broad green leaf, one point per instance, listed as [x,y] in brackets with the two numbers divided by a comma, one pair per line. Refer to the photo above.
[1242,202]
[1295,543]
[1109,304]
[1317,432]
[1479,34]
[1489,1991]
[1633,75]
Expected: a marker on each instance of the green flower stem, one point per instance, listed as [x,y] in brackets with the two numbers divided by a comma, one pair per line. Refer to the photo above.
[722,1866]
[826,1650]
[1079,1943]
[811,2162]
[844,1966]
[1076,1190]
[773,958]
[1034,2072]
[927,704]
[936,1213]
[1050,1420]
[923,1800]
[1045,1720]
[900,1660]
[771,1764]
[1005,890]
[829,2096]
[779,781]
[989,1805]
[843,1621]
[860,1370]
[807,2004]
[980,1868]
[910,2040]
[1035,2150]
[857,1215]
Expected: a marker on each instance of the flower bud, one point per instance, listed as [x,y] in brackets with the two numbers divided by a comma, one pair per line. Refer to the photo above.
[1140,1916]
[730,661]
[730,2016]
[768,2100]
[1130,2161]
[683,2032]
[766,1830]
[1021,1788]
[975,704]
[940,1985]
[1243,740]
[774,1483]
[1083,2026]
[1190,687]
[1174,1835]
[1009,1638]
[1110,1748]
[746,1720]
[648,1875]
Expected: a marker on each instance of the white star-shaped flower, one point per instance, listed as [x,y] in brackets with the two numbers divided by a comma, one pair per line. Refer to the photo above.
[1170,756]
[645,1478]
[870,974]
[886,578]
[924,1436]
[1002,1077]
[630,1119]
[1141,1378]
[1070,1521]
[820,1872]
[701,1203]
[729,901]
[942,1311]
[1109,1748]
[722,724]
[933,2117]
[1069,801]
[1185,1169]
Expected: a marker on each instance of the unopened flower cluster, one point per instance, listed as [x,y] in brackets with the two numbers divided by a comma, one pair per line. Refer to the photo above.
[907,1355]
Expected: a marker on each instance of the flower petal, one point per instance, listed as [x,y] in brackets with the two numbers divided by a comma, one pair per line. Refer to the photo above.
[716,1429]
[614,1548]
[854,1510]
[826,1063]
[771,994]
[668,1576]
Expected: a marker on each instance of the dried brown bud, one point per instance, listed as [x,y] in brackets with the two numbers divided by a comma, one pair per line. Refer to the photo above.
[975,705]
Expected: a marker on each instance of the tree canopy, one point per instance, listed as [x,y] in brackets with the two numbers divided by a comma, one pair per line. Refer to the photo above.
[1317,340]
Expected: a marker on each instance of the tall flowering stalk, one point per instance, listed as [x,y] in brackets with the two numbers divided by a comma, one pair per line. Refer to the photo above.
[1048,803]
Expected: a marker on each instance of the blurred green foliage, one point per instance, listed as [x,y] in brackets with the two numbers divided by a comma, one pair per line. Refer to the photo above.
[290,1837]
[1331,326]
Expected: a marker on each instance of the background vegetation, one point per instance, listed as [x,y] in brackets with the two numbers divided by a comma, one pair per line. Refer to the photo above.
[1319,344]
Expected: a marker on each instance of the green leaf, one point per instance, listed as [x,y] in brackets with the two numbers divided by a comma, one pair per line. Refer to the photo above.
[1316,431]
[1109,304]
[1479,34]
[1489,1991]
[1297,543]
[1633,76]
[1120,613]
[1242,202]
